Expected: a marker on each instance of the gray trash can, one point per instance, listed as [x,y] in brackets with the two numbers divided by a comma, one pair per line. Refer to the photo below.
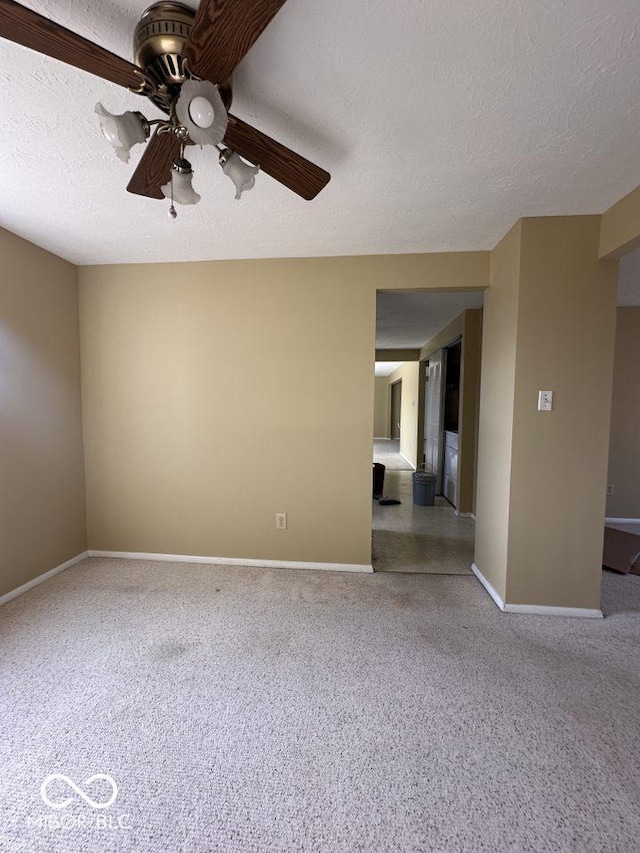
[424,488]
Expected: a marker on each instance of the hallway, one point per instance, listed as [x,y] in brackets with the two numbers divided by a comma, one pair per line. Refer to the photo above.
[387,451]
[417,539]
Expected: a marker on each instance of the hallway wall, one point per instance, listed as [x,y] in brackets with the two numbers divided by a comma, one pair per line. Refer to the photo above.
[624,445]
[468,326]
[497,384]
[381,413]
[408,372]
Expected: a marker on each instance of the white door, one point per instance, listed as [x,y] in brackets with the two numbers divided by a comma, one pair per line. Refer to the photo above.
[433,424]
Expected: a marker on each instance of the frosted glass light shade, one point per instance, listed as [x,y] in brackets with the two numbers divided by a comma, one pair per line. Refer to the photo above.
[199,108]
[242,174]
[122,131]
[183,192]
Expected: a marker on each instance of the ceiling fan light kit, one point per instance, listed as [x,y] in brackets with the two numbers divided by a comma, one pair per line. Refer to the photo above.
[183,62]
[242,174]
[123,131]
[180,189]
[200,111]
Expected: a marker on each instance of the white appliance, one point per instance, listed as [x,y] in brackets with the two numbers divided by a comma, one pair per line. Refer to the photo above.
[450,468]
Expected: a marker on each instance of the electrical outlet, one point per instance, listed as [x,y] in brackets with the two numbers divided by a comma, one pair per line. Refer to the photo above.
[611,489]
[281,521]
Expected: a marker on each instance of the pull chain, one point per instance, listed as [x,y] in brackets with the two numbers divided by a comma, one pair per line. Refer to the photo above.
[172,211]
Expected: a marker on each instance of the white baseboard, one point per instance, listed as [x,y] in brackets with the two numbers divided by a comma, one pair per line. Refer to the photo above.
[539,610]
[234,561]
[406,460]
[463,514]
[535,609]
[622,520]
[485,583]
[42,578]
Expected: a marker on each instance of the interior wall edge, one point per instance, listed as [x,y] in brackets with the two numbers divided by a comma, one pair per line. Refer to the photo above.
[620,227]
[488,586]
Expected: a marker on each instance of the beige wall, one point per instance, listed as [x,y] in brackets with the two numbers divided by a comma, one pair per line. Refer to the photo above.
[446,336]
[566,328]
[217,394]
[397,354]
[549,489]
[408,372]
[381,408]
[624,447]
[437,271]
[42,512]
[469,409]
[497,386]
[620,226]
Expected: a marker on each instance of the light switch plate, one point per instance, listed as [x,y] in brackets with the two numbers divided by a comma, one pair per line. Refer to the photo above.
[545,401]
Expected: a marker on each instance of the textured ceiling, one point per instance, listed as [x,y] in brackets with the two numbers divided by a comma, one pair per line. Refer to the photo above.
[409,320]
[442,122]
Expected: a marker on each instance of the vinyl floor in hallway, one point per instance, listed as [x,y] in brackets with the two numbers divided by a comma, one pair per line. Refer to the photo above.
[387,451]
[422,539]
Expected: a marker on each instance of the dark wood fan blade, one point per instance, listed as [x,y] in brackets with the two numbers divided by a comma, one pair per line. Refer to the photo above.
[287,167]
[222,33]
[25,27]
[154,168]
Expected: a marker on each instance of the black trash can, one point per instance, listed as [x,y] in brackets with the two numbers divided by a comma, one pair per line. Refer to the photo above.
[378,479]
[424,488]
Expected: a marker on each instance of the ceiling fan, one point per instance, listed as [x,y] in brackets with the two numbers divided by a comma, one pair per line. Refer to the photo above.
[183,62]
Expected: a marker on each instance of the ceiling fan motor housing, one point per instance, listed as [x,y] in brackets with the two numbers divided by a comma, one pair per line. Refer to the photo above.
[159,41]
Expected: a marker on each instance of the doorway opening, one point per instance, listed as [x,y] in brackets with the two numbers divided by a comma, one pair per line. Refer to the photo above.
[622,515]
[396,410]
[437,336]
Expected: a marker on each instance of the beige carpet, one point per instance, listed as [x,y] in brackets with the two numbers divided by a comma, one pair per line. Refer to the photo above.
[272,711]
